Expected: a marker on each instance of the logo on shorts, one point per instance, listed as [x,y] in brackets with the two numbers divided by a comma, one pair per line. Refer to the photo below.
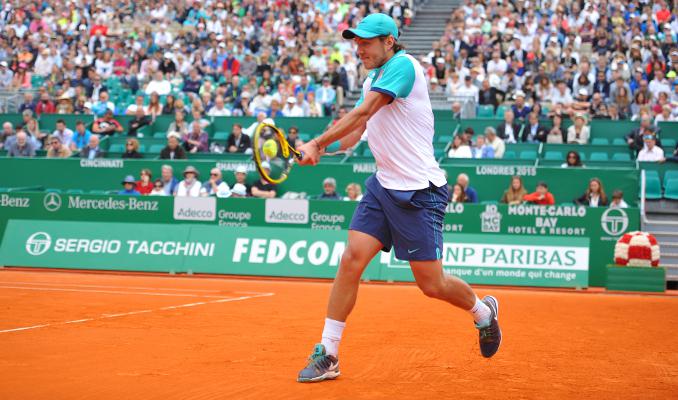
[614,221]
[38,243]
[490,219]
[52,201]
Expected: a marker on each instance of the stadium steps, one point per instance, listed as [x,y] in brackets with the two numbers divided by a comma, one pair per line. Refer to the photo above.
[427,27]
[667,235]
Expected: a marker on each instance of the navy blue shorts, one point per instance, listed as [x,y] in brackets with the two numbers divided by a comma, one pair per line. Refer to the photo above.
[411,221]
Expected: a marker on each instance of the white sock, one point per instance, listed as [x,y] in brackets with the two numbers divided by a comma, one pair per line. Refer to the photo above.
[332,336]
[481,313]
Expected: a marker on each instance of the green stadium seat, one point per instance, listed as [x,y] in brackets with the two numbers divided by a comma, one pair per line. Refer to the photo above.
[554,155]
[117,148]
[668,175]
[156,148]
[598,156]
[618,141]
[621,157]
[653,188]
[650,173]
[159,135]
[509,155]
[600,141]
[441,139]
[142,148]
[671,188]
[528,155]
[500,111]
[221,135]
[486,111]
[668,145]
[367,152]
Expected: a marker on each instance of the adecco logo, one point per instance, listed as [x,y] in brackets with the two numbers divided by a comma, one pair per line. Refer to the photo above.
[283,211]
[195,208]
[614,221]
[52,201]
[38,243]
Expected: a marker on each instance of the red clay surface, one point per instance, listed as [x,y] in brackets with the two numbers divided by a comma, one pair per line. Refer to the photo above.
[224,342]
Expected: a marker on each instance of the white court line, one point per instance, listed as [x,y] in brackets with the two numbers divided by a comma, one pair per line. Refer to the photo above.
[105,286]
[108,316]
[112,292]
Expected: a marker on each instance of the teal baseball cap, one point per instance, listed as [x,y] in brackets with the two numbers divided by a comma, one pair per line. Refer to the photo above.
[372,26]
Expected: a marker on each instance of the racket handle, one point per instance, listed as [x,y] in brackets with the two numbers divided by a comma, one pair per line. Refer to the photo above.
[299,155]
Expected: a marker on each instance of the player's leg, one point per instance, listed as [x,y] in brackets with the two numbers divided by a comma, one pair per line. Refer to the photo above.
[434,283]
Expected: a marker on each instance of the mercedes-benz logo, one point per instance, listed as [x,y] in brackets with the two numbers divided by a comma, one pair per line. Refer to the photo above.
[38,243]
[52,201]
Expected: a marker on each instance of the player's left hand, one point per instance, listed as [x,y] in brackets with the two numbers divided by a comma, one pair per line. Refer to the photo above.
[311,153]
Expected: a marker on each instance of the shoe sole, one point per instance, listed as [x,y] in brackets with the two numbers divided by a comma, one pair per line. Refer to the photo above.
[495,302]
[327,376]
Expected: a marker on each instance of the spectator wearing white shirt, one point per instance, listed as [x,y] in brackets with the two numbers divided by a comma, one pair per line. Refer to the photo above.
[261,102]
[159,85]
[6,75]
[561,95]
[496,142]
[459,149]
[650,152]
[468,89]
[215,186]
[496,66]
[219,109]
[659,84]
[43,63]
[64,134]
[579,132]
[291,109]
[190,186]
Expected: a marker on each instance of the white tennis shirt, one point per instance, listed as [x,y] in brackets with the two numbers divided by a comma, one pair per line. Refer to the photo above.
[400,134]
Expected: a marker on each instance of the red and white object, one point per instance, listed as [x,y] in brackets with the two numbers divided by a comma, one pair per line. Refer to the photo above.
[637,249]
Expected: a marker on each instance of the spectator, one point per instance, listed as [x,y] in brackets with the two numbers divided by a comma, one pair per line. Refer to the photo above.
[572,160]
[197,141]
[241,179]
[329,190]
[618,200]
[140,120]
[456,111]
[458,195]
[138,104]
[497,144]
[219,109]
[7,132]
[468,89]
[103,106]
[92,150]
[237,142]
[154,107]
[471,194]
[515,194]
[169,182]
[594,195]
[314,107]
[635,139]
[459,149]
[28,103]
[326,96]
[533,131]
[94,90]
[353,192]
[32,128]
[107,125]
[541,196]
[6,76]
[173,150]
[482,149]
[169,106]
[261,102]
[239,191]
[562,95]
[132,149]
[57,149]
[179,125]
[665,115]
[193,82]
[519,108]
[20,146]
[64,104]
[262,188]
[488,94]
[509,131]
[128,185]
[598,109]
[80,137]
[556,134]
[145,184]
[64,134]
[159,85]
[293,137]
[190,186]
[158,188]
[291,108]
[651,152]
[215,186]
[45,105]
[579,132]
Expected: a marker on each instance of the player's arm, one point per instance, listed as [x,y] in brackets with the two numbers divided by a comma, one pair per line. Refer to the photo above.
[355,120]
[351,139]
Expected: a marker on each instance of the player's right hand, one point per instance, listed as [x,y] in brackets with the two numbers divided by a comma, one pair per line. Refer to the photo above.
[311,153]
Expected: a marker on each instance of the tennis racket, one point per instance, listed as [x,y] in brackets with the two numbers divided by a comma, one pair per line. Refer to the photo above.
[273,155]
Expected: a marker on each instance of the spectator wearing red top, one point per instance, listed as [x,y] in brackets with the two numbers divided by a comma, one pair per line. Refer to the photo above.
[541,196]
[45,105]
[107,125]
[231,64]
[145,184]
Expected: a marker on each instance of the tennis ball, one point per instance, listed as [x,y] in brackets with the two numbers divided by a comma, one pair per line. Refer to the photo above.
[270,148]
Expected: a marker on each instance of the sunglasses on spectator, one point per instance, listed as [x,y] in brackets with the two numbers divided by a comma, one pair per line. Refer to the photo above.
[212,174]
[55,142]
[130,144]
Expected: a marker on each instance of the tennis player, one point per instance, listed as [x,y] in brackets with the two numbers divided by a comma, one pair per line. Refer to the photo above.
[404,204]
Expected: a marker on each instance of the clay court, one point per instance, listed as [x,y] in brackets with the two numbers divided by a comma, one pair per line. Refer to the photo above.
[68,335]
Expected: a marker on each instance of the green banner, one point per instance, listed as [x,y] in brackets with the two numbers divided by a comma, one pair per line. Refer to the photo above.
[600,225]
[508,260]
